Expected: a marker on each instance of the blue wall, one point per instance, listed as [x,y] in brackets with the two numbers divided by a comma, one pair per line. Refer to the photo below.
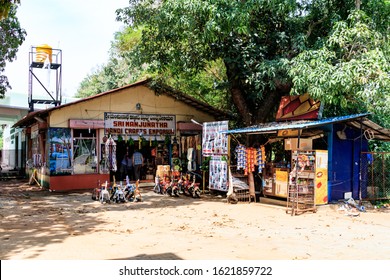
[344,162]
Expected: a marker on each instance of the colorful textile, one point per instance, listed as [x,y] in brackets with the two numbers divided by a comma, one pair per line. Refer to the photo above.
[241,156]
[260,158]
[250,160]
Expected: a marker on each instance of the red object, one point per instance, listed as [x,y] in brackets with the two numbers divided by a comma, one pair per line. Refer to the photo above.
[76,181]
[299,107]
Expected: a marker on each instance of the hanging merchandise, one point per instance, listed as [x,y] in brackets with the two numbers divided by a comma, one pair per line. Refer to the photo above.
[183,144]
[241,156]
[110,147]
[250,160]
[261,159]
[191,159]
[198,143]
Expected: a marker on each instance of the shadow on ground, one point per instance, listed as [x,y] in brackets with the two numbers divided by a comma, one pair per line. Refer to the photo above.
[32,218]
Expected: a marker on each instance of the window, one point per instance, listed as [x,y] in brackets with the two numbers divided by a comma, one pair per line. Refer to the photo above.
[84,151]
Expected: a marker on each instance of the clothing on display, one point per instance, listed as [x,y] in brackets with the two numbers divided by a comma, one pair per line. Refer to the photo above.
[191,159]
[247,158]
[110,149]
[251,155]
[241,156]
[261,159]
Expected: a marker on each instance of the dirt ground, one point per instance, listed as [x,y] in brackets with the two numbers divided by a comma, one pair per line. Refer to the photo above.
[38,224]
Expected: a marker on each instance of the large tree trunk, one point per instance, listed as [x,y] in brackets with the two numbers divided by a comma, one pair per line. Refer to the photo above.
[237,95]
[271,101]
[250,113]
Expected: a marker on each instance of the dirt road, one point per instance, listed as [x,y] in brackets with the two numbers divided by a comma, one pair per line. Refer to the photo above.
[37,224]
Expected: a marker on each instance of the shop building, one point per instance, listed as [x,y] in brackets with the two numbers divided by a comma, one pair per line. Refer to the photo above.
[79,144]
[323,159]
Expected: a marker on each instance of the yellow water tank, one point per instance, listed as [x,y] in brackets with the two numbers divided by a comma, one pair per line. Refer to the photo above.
[43,51]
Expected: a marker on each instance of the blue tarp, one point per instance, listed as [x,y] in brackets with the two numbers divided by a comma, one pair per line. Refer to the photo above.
[303,124]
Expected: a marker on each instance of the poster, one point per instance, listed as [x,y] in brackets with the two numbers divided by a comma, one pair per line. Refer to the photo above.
[218,173]
[60,151]
[214,142]
[321,178]
[281,183]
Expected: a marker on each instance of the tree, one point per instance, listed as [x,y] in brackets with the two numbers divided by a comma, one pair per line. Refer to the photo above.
[255,40]
[351,71]
[5,7]
[118,71]
[11,37]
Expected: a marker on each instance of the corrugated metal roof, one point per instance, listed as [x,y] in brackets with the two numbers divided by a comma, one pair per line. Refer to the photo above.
[358,121]
[164,89]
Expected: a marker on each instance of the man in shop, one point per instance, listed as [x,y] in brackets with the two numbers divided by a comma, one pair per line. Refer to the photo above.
[138,162]
[123,168]
[130,169]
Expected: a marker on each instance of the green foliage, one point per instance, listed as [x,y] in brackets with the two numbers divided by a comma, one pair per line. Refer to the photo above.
[244,55]
[12,36]
[250,38]
[350,72]
[255,41]
[5,7]
[119,71]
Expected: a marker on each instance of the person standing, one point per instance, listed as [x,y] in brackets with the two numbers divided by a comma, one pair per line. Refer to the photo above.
[123,169]
[130,169]
[138,162]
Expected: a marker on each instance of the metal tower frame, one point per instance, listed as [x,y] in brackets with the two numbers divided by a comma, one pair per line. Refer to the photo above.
[36,66]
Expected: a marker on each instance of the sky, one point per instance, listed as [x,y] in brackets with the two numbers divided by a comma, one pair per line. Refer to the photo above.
[82,29]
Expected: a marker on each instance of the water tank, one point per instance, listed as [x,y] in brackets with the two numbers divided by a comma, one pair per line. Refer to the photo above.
[43,51]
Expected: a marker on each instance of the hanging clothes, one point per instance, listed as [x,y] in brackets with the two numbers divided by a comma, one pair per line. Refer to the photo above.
[110,147]
[241,156]
[250,160]
[260,159]
[191,159]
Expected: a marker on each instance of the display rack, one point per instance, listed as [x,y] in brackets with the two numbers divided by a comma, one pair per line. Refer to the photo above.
[301,189]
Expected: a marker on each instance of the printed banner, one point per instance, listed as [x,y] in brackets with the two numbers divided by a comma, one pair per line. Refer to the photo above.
[139,124]
[213,142]
[218,174]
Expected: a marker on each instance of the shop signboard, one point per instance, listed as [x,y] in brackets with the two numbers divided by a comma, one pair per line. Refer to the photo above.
[139,124]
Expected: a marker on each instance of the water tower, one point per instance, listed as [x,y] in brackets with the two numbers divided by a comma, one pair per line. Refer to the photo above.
[45,76]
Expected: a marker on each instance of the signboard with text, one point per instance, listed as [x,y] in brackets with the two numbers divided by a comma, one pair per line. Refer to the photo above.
[139,124]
